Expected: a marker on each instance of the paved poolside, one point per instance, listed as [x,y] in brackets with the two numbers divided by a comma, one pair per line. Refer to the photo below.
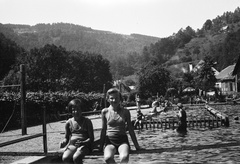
[55,133]
[200,145]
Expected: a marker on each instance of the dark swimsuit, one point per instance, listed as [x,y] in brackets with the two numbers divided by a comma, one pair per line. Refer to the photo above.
[117,141]
[80,130]
[116,129]
[182,122]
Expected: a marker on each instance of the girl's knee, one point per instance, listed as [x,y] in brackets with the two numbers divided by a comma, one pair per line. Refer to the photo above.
[109,152]
[66,158]
[78,157]
[109,158]
[124,158]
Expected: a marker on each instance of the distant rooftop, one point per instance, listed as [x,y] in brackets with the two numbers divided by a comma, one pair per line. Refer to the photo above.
[226,73]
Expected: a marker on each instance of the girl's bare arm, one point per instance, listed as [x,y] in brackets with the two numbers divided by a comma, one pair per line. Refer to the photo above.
[67,135]
[131,130]
[90,132]
[104,128]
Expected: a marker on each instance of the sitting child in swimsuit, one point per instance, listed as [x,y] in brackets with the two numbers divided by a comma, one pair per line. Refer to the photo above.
[113,134]
[154,111]
[138,121]
[79,134]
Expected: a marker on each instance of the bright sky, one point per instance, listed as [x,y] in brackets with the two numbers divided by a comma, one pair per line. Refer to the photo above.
[160,18]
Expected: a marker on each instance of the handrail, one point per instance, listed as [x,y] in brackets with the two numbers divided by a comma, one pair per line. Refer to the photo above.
[20,140]
[5,86]
[44,134]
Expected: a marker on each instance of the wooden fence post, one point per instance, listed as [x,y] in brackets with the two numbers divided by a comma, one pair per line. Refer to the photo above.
[44,127]
[23,99]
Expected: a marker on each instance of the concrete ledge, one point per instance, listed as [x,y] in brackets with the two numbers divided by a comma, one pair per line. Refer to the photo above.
[29,160]
[57,160]
[219,115]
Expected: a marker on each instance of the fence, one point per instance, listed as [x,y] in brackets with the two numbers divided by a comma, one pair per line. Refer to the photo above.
[22,86]
[172,123]
[43,134]
[216,120]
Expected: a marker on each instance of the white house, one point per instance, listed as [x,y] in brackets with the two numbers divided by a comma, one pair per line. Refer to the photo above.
[226,82]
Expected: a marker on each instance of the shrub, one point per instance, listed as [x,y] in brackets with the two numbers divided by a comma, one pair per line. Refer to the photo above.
[54,102]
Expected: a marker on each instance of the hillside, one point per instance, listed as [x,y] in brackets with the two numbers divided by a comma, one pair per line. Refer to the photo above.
[212,44]
[76,37]
[218,38]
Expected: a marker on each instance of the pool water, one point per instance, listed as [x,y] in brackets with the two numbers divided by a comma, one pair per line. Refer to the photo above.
[199,145]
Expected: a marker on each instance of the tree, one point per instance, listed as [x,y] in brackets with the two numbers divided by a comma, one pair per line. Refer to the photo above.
[207,25]
[205,78]
[96,72]
[146,56]
[47,68]
[120,67]
[153,79]
[231,47]
[9,51]
[184,36]
[53,68]
[188,79]
[197,51]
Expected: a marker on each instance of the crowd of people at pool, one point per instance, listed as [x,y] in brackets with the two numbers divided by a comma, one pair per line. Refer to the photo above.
[79,135]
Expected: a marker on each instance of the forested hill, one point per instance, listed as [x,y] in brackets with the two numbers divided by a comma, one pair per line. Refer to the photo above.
[218,38]
[75,37]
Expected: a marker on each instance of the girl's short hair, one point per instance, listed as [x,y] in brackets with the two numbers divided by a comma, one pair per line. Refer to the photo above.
[112,91]
[76,102]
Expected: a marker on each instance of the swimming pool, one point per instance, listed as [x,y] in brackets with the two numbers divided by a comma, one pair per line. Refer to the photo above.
[199,145]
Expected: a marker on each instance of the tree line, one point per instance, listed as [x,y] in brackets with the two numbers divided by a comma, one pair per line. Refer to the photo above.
[53,68]
[155,80]
[211,40]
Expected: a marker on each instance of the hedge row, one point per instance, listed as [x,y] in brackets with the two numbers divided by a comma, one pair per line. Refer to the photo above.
[54,102]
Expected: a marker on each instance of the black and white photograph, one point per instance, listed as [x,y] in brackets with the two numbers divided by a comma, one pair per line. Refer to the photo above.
[119,81]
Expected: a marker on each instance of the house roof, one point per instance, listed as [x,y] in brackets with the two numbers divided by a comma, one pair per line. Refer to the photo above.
[226,73]
[199,65]
[119,83]
[215,71]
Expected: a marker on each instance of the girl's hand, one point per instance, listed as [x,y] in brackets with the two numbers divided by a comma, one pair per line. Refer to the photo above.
[78,143]
[138,148]
[100,148]
[63,144]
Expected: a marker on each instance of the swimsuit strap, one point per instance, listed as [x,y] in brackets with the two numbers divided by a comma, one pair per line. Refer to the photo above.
[71,123]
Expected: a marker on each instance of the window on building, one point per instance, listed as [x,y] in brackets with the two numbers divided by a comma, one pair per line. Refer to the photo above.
[231,86]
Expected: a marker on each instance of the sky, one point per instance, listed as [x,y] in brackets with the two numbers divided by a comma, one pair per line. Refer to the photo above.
[159,18]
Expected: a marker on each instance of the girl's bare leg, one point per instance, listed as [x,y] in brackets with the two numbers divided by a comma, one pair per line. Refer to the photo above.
[80,154]
[109,153]
[124,153]
[68,154]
